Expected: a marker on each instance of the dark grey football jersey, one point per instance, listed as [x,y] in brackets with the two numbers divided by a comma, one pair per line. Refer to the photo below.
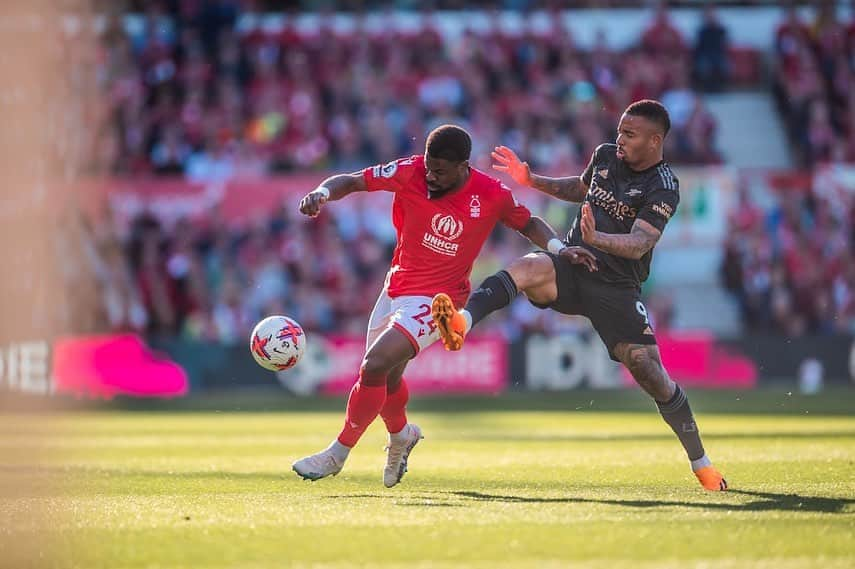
[618,196]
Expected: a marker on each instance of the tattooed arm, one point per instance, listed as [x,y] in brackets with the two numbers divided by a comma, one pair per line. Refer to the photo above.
[633,245]
[570,189]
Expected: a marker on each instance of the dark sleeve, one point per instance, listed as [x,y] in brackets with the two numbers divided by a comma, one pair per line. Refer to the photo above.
[659,206]
[589,169]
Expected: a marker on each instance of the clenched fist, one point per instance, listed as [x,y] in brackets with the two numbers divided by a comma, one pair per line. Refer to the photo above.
[313,201]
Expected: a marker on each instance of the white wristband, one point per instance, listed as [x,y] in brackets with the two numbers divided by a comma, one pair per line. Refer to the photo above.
[555,245]
[324,191]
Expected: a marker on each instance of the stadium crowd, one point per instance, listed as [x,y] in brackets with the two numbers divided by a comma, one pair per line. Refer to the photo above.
[791,265]
[815,84]
[193,92]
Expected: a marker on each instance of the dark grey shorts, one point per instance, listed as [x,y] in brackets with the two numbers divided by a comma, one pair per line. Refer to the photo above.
[615,310]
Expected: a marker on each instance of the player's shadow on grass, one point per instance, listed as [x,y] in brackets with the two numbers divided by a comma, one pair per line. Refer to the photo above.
[766,501]
[430,501]
[650,437]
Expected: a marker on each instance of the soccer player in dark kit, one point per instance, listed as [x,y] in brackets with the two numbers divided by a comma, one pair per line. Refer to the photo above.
[628,194]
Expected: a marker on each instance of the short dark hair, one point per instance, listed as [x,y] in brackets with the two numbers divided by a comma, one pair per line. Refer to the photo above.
[449,142]
[654,111]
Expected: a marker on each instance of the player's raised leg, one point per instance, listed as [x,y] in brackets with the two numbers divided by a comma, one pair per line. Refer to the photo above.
[391,349]
[403,436]
[645,365]
[533,274]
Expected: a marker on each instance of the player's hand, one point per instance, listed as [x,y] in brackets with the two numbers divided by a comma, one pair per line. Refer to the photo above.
[580,256]
[506,160]
[588,225]
[312,202]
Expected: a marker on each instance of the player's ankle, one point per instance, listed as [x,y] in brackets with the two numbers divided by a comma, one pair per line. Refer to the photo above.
[339,450]
[699,463]
[467,317]
[401,435]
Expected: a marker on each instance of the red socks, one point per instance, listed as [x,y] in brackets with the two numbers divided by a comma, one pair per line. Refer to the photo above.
[363,406]
[366,402]
[394,411]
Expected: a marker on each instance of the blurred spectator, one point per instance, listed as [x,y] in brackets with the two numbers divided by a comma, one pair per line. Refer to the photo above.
[710,59]
[662,38]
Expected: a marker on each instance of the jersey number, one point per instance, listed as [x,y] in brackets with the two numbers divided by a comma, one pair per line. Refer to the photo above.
[420,318]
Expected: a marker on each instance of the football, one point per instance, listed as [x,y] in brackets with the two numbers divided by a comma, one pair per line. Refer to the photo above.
[277,343]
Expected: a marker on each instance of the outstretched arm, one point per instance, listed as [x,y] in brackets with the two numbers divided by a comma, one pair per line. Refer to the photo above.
[331,189]
[570,189]
[633,245]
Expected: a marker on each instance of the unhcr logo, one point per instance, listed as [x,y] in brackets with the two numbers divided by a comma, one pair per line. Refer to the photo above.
[445,230]
[446,226]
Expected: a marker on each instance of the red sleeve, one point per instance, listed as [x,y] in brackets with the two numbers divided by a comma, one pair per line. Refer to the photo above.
[514,214]
[390,177]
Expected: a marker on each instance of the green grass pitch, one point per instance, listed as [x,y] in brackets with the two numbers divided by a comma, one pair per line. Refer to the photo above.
[583,479]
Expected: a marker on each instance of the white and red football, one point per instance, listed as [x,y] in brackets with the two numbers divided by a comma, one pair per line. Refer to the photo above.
[277,343]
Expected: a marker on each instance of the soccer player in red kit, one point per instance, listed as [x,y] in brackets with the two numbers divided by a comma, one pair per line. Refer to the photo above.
[443,211]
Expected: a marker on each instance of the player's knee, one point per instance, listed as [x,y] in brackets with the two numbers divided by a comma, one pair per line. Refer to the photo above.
[638,360]
[374,369]
[531,271]
[645,368]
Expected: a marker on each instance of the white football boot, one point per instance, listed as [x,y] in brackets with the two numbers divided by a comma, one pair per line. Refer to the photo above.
[318,466]
[397,452]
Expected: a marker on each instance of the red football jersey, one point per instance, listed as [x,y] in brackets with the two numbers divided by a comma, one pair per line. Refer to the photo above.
[438,239]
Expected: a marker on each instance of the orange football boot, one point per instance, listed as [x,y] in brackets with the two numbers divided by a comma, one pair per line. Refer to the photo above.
[450,323]
[711,479]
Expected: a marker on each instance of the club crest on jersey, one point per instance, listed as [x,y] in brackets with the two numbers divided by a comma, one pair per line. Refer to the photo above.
[444,230]
[603,173]
[475,206]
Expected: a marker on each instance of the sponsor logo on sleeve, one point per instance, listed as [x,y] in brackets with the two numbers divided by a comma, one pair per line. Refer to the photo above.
[389,169]
[663,209]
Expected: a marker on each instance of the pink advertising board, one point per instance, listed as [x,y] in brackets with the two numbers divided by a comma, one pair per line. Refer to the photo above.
[481,368]
[696,359]
[109,365]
